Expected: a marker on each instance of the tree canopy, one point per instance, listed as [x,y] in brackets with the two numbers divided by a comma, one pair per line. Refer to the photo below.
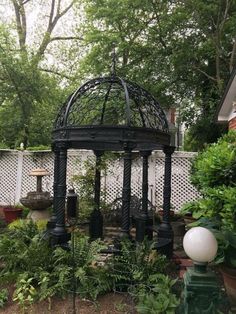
[32,87]
[181,51]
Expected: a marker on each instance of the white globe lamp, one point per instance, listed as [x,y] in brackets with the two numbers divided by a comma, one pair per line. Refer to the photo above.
[200,245]
[201,289]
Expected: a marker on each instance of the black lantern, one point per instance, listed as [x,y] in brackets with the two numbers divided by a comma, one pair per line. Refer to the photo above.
[71,206]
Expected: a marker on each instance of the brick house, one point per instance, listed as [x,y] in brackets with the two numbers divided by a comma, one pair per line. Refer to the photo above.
[226,111]
[175,127]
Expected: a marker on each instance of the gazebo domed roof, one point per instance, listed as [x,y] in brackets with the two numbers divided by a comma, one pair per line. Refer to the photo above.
[112,101]
[105,106]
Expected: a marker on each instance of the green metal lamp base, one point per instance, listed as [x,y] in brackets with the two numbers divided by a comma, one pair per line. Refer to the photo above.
[201,291]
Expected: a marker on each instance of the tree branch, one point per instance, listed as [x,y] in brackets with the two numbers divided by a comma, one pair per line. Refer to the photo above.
[23,20]
[232,57]
[66,9]
[207,75]
[66,38]
[52,21]
[55,72]
[160,34]
[20,22]
[58,7]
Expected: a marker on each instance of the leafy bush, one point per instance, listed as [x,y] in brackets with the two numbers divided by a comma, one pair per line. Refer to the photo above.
[216,165]
[160,299]
[214,174]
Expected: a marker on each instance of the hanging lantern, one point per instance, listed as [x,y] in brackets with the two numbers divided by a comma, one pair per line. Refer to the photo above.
[72,205]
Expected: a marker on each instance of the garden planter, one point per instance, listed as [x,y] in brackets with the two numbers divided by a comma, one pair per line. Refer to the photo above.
[161,213]
[229,276]
[12,213]
[178,228]
[188,219]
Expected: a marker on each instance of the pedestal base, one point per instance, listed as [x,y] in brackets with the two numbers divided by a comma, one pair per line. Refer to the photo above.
[201,292]
[60,239]
[37,215]
[96,225]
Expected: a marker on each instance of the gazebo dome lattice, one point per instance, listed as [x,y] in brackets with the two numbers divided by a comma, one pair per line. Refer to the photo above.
[102,109]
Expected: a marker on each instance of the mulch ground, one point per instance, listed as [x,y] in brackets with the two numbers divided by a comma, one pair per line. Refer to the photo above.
[111,303]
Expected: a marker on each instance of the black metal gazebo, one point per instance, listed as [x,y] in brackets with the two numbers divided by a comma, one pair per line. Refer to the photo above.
[110,114]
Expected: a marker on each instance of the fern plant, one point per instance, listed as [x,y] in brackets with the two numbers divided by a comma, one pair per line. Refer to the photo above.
[136,263]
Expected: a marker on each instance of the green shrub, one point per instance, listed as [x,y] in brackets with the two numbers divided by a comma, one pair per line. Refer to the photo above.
[214,174]
[216,165]
[40,147]
[159,299]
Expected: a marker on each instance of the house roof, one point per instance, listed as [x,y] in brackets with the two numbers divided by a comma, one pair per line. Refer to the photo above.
[225,107]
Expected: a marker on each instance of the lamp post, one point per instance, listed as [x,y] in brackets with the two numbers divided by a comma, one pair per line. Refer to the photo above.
[201,290]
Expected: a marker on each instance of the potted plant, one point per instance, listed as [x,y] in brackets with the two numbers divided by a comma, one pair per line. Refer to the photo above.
[178,225]
[227,260]
[12,212]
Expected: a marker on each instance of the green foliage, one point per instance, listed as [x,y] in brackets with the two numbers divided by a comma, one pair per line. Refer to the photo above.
[41,272]
[152,38]
[21,224]
[29,97]
[214,174]
[25,293]
[39,147]
[216,165]
[160,299]
[2,223]
[135,264]
[3,297]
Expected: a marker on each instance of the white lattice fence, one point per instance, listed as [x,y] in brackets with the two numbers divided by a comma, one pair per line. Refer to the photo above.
[182,190]
[8,176]
[15,181]
[113,181]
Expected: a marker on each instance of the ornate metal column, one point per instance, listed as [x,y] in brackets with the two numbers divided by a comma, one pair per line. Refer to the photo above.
[59,234]
[126,192]
[52,222]
[165,231]
[146,221]
[149,222]
[96,219]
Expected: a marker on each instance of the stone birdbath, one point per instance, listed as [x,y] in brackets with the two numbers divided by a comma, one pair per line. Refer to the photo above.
[38,202]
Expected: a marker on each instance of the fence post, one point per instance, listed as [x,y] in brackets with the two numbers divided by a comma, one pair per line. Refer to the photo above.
[19,176]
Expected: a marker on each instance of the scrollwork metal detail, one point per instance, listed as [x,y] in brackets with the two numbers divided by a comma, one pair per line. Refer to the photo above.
[111,101]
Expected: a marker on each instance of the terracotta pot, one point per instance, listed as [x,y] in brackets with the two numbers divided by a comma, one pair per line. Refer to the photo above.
[12,213]
[229,276]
